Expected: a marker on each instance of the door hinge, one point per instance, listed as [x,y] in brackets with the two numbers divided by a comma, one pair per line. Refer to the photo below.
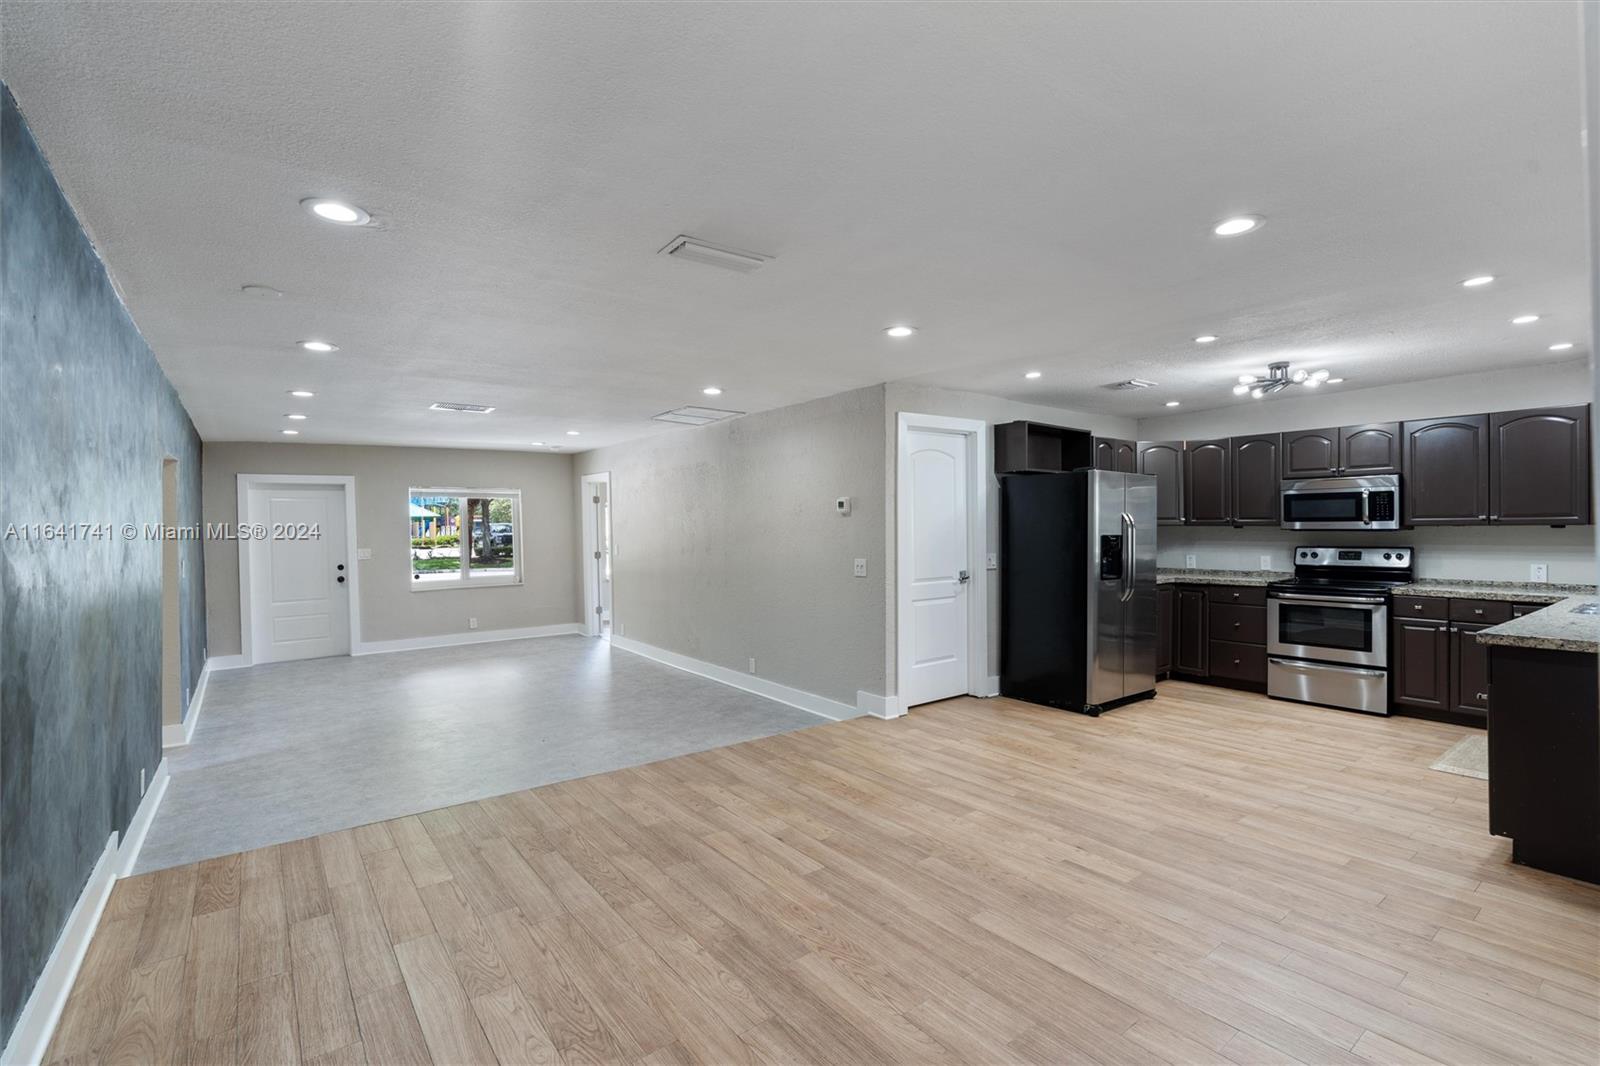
[594,499]
[597,555]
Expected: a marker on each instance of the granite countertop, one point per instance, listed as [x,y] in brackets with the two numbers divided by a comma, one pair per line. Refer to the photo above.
[1556,628]
[1520,592]
[1170,576]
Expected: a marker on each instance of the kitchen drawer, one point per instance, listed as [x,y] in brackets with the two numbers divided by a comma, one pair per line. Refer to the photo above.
[1489,612]
[1242,595]
[1519,610]
[1434,608]
[1239,662]
[1246,625]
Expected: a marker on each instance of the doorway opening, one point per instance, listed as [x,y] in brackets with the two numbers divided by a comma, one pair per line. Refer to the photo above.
[595,504]
[941,588]
[172,693]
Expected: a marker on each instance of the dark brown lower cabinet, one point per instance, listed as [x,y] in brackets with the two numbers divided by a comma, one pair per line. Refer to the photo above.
[1238,662]
[1419,663]
[1469,670]
[1544,781]
[1166,624]
[1189,656]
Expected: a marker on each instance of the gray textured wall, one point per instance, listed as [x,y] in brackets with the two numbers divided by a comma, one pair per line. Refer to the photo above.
[727,544]
[89,418]
[390,610]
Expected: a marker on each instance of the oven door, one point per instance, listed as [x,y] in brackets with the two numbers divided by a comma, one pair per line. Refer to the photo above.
[1333,629]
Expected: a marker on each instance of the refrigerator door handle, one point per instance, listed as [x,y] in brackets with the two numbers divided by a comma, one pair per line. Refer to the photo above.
[1128,556]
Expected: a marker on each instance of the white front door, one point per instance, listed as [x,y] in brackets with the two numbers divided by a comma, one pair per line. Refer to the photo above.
[299,584]
[933,602]
[602,556]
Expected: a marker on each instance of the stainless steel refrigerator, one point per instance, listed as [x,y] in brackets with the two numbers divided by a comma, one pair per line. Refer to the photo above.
[1078,588]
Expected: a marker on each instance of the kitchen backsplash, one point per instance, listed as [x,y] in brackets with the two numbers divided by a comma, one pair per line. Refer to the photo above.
[1485,553]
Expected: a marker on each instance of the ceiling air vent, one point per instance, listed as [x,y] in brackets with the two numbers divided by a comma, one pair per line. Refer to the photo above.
[696,250]
[696,416]
[464,408]
[1130,384]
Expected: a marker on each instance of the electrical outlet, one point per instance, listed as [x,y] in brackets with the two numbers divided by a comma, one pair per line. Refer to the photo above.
[1266,562]
[363,553]
[1188,562]
[861,568]
[472,623]
[752,664]
[991,561]
[1539,572]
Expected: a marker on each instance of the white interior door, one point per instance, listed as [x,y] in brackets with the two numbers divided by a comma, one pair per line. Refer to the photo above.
[299,585]
[602,554]
[933,602]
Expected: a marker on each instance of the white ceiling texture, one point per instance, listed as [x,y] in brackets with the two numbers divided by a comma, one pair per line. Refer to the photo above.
[1031,186]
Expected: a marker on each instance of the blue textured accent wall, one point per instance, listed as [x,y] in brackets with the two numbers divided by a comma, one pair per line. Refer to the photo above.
[87,418]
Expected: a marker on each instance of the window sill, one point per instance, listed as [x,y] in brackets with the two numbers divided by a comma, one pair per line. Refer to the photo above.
[461,585]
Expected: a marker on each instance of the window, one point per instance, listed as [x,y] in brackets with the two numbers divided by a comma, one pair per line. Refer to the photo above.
[464,538]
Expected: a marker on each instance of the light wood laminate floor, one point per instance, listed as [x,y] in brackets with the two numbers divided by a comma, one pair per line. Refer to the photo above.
[1209,877]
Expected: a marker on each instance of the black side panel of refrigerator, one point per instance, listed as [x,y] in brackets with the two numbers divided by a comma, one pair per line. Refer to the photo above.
[1043,581]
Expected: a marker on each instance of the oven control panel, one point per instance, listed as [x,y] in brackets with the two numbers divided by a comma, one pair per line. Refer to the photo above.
[1390,557]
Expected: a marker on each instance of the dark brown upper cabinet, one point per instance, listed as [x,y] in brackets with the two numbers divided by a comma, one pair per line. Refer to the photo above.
[1036,448]
[1310,453]
[1539,467]
[1349,451]
[1207,489]
[1163,459]
[1119,455]
[1445,463]
[1370,449]
[1255,479]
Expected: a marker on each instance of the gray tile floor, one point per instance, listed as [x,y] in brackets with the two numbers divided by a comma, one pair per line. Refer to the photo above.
[290,750]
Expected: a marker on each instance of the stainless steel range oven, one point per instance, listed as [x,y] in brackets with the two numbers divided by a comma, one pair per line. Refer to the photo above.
[1328,627]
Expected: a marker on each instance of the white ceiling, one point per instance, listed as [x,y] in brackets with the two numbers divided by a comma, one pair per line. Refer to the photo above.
[1032,186]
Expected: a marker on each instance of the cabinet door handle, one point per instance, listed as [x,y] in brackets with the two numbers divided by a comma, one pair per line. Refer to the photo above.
[1416,606]
[1484,696]
[1477,610]
[1236,625]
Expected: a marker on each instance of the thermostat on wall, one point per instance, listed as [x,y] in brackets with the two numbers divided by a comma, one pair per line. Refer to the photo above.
[842,505]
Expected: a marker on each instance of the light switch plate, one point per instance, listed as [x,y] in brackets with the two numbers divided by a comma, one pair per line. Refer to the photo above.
[1266,562]
[1539,572]
[752,664]
[1188,562]
[992,561]
[861,568]
[472,623]
[363,553]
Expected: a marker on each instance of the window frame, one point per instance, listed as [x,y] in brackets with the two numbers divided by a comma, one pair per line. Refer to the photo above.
[464,578]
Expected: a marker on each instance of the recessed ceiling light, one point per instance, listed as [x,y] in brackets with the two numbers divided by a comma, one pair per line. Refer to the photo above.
[1233,227]
[302,394]
[711,390]
[319,346]
[263,291]
[1523,320]
[1032,375]
[572,433]
[1481,279]
[290,432]
[1205,338]
[1563,346]
[334,211]
[900,331]
[1335,381]
[1172,403]
[295,418]
[536,444]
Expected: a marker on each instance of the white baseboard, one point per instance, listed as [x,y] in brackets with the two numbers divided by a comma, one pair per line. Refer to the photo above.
[30,1037]
[133,839]
[879,706]
[794,697]
[991,685]
[450,640]
[226,662]
[178,734]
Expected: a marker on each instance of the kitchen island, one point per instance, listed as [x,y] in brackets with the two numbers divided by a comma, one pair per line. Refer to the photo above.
[1544,736]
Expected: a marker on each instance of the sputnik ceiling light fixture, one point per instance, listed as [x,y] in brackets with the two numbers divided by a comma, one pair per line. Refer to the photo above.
[1277,379]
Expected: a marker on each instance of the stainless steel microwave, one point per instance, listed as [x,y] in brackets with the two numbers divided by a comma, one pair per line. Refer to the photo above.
[1342,503]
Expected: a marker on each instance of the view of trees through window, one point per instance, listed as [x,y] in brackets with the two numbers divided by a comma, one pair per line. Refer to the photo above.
[462,536]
